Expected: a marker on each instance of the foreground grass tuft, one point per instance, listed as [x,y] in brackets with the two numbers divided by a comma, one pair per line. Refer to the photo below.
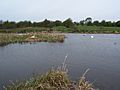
[55,79]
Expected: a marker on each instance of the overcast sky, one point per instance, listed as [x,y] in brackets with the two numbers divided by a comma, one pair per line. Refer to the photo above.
[38,10]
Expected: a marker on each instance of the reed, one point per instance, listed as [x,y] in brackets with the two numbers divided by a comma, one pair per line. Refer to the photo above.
[30,37]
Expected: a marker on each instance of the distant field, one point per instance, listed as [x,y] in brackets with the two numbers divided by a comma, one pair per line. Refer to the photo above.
[98,29]
[76,29]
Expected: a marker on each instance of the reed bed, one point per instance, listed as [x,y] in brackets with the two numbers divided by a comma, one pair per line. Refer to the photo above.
[30,37]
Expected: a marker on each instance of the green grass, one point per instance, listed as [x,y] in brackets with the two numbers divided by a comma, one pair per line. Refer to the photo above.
[62,29]
[98,29]
[76,29]
[24,30]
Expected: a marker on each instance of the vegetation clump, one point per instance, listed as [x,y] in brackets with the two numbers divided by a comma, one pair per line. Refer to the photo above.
[55,79]
[30,37]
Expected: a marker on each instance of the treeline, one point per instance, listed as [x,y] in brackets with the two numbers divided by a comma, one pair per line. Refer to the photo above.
[50,24]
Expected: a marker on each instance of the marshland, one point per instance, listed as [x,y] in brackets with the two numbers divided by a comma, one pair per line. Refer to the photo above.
[29,50]
[7,38]
[22,62]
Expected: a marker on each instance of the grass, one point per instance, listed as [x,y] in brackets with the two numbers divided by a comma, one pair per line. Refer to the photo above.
[6,38]
[76,29]
[55,79]
[24,30]
[98,29]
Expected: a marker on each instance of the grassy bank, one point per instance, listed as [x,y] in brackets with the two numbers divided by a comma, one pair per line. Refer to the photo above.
[76,29]
[98,29]
[55,79]
[6,38]
[89,29]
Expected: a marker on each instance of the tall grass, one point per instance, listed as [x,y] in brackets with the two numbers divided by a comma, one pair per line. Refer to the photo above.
[38,37]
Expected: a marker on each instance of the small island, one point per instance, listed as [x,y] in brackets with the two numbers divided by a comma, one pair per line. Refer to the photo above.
[6,38]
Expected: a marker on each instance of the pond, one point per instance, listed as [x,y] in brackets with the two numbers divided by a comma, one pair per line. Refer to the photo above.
[101,54]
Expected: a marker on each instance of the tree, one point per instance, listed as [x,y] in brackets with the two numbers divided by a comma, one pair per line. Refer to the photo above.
[96,23]
[46,23]
[76,23]
[88,21]
[103,23]
[9,25]
[68,23]
[23,24]
[118,23]
[82,22]
[109,24]
[58,23]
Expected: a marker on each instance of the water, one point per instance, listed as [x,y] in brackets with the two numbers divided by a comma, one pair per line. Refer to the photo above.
[101,54]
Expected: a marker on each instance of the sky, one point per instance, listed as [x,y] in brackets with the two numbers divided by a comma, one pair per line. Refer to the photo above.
[38,10]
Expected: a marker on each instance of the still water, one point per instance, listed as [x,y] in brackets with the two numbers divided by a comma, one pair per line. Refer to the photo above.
[100,54]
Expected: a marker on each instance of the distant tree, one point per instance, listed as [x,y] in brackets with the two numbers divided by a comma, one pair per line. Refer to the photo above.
[96,23]
[76,23]
[103,23]
[82,22]
[109,23]
[68,23]
[9,25]
[113,24]
[118,23]
[45,23]
[49,24]
[89,24]
[22,24]
[88,21]
[58,23]
[35,24]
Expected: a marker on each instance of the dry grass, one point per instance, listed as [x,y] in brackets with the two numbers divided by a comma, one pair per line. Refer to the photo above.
[55,79]
[38,37]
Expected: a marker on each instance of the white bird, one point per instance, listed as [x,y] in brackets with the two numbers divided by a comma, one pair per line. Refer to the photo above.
[32,36]
[92,36]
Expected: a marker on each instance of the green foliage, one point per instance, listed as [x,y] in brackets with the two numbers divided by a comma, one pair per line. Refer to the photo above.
[84,26]
[9,25]
[22,24]
[58,23]
[118,23]
[98,29]
[62,29]
[68,23]
[88,21]
[96,23]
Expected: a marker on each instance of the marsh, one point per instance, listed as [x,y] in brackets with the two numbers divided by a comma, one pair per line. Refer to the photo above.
[100,54]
